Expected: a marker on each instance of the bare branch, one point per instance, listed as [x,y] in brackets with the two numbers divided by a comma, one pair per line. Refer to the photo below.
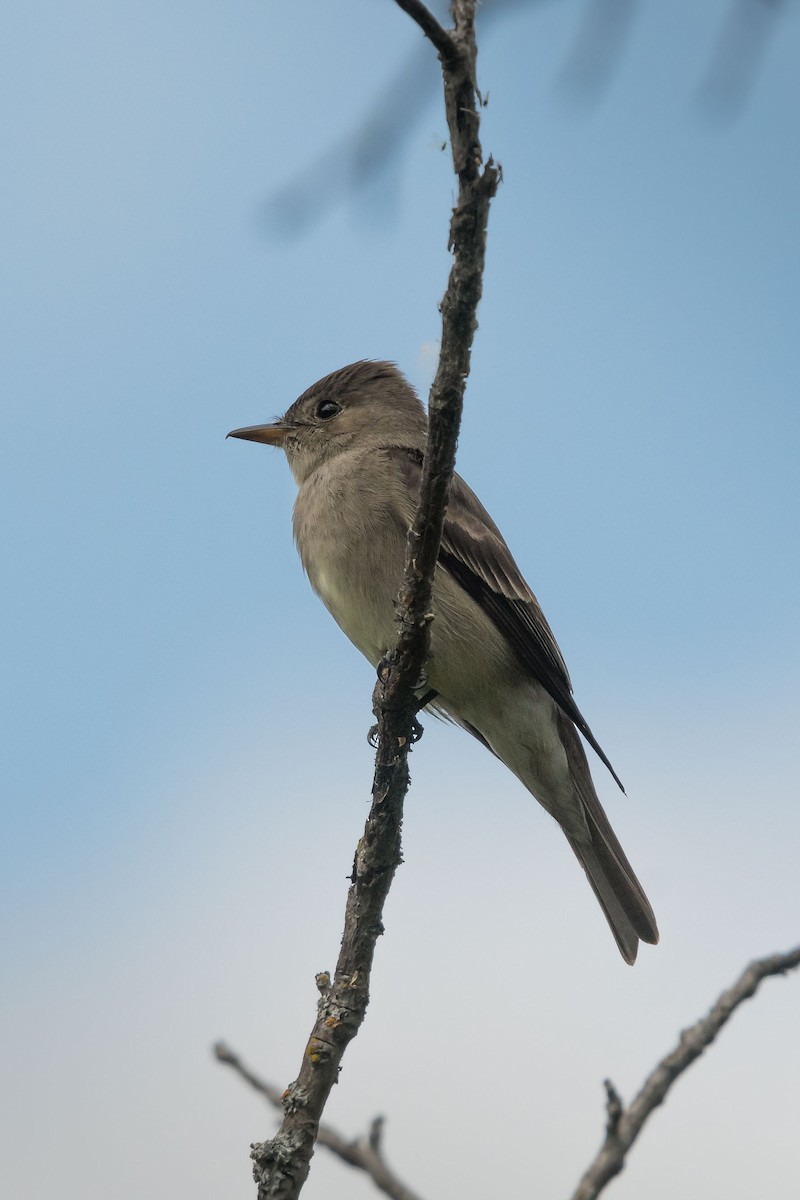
[624,1125]
[365,1154]
[281,1164]
[269,1091]
[427,22]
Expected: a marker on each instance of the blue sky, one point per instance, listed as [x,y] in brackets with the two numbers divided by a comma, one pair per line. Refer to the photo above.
[186,770]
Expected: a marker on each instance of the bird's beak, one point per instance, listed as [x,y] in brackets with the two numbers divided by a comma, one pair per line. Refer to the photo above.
[270,435]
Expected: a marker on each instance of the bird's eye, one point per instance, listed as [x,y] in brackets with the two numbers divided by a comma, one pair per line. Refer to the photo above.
[327,409]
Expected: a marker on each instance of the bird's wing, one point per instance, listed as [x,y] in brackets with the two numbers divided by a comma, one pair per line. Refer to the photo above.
[474,553]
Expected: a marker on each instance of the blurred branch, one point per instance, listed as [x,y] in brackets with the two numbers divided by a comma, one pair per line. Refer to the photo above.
[597,47]
[738,55]
[624,1125]
[364,1153]
[362,155]
[281,1164]
[359,157]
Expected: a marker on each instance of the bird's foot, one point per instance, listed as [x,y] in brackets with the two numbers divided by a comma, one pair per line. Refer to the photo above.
[423,695]
[374,734]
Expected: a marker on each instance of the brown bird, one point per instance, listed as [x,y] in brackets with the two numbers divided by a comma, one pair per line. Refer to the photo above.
[355,443]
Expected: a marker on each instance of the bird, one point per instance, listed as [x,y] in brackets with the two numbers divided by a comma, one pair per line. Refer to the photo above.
[355,444]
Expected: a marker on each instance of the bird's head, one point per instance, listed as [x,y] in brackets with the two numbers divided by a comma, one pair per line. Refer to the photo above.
[364,404]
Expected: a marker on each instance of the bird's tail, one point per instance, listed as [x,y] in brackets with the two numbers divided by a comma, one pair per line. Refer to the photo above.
[613,881]
[621,896]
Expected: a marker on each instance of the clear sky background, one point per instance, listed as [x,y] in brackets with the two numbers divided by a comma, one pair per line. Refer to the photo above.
[186,771]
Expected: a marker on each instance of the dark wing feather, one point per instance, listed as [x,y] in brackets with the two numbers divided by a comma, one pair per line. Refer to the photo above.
[475,554]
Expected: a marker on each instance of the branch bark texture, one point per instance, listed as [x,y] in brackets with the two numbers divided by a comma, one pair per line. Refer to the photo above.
[281,1164]
[625,1124]
[364,1153]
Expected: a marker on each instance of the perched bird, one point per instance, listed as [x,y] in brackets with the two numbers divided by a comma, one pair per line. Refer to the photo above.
[355,443]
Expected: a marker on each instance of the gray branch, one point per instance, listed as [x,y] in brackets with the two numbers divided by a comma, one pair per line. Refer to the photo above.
[281,1164]
[366,1154]
[624,1125]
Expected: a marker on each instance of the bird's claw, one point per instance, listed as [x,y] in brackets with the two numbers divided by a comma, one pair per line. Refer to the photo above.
[416,733]
[423,694]
[421,686]
[383,668]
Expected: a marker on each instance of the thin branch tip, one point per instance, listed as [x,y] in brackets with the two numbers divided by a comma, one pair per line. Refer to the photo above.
[223,1054]
[615,1109]
[376,1134]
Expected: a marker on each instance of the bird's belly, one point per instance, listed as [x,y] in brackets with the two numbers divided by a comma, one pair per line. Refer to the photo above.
[366,619]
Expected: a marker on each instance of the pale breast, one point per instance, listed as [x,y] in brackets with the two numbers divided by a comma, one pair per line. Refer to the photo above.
[351,544]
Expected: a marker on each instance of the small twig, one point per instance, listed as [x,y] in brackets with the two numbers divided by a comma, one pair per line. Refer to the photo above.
[614,1108]
[364,1154]
[225,1055]
[624,1125]
[376,1133]
[427,22]
[281,1165]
